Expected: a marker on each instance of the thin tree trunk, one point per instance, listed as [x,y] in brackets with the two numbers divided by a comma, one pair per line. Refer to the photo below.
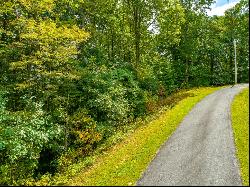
[211,69]
[112,45]
[137,30]
[187,72]
[231,61]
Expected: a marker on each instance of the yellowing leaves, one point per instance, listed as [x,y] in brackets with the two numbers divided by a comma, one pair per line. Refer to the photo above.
[24,85]
[48,32]
[6,7]
[52,46]
[38,6]
[60,75]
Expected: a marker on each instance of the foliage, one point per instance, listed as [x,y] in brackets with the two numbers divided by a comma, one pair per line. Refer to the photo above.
[79,71]
[83,133]
[124,163]
[23,136]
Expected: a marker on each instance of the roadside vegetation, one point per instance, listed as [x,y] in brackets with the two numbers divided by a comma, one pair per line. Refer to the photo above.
[75,73]
[240,123]
[123,163]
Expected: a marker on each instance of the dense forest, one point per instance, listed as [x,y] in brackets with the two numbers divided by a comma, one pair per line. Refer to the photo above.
[72,72]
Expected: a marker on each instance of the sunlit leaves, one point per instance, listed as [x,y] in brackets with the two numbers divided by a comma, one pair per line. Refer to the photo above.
[38,6]
[170,19]
[48,32]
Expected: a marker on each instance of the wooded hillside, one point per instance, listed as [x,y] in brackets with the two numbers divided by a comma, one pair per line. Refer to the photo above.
[72,72]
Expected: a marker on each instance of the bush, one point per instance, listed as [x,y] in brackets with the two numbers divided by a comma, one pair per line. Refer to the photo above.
[112,95]
[83,134]
[23,135]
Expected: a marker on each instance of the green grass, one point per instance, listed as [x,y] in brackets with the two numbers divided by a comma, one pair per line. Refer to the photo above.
[240,123]
[124,163]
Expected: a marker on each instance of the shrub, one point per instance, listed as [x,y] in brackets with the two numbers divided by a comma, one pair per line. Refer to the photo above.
[134,94]
[23,135]
[83,133]
[105,96]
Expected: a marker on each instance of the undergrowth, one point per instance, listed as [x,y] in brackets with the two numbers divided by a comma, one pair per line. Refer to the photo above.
[125,155]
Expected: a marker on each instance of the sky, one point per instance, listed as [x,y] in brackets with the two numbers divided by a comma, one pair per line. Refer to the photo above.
[221,6]
[218,8]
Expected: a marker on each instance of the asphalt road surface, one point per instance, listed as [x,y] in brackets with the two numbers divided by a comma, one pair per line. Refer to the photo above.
[201,151]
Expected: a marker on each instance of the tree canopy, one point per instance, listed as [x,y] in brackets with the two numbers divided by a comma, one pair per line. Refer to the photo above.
[72,72]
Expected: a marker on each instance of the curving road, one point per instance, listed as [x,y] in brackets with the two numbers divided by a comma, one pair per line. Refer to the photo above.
[201,151]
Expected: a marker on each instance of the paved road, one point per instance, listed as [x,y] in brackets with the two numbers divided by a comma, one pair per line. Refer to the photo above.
[201,151]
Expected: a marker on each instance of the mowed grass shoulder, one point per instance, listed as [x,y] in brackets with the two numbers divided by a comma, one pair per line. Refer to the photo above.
[124,163]
[240,123]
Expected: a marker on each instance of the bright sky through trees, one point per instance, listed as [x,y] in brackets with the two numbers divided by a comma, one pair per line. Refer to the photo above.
[221,6]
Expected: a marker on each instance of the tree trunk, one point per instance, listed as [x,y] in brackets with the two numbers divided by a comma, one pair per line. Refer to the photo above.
[186,72]
[137,30]
[211,69]
[231,61]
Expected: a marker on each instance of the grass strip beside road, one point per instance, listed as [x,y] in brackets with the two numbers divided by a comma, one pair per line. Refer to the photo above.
[124,163]
[240,123]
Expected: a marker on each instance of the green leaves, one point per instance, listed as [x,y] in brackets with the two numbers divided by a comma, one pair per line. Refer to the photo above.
[22,137]
[75,71]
